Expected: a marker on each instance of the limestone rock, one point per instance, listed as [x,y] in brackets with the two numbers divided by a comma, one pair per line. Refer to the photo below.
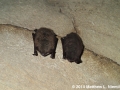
[20,70]
[97,21]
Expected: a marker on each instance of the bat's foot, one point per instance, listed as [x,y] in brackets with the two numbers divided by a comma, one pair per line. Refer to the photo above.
[78,61]
[35,54]
[53,55]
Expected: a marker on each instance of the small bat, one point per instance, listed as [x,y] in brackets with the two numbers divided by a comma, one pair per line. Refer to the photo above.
[45,42]
[72,47]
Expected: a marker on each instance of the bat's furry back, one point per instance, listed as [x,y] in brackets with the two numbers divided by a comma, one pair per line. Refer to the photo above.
[72,47]
[45,41]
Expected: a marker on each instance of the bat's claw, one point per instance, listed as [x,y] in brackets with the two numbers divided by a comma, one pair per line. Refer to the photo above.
[35,54]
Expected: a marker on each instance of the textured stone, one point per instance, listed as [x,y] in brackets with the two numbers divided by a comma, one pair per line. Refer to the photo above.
[34,14]
[20,70]
[97,21]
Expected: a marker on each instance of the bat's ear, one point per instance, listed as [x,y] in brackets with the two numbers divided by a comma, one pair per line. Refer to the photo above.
[35,30]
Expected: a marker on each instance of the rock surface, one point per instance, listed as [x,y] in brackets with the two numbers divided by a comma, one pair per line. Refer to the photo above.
[97,21]
[20,70]
[34,14]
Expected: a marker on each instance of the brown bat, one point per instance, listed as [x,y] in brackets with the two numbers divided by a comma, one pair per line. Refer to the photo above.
[45,42]
[72,47]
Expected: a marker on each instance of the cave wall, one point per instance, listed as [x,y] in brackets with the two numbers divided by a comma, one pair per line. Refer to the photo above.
[97,21]
[20,70]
